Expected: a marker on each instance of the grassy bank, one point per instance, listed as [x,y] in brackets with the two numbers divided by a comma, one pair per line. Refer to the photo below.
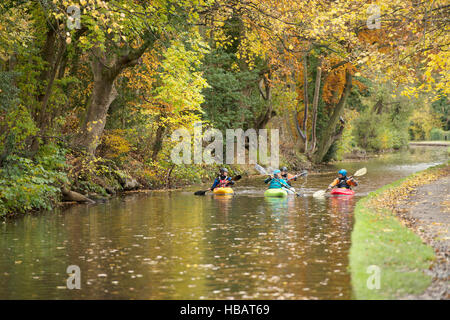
[379,238]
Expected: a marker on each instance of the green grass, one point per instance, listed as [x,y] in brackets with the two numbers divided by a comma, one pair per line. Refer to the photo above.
[378,238]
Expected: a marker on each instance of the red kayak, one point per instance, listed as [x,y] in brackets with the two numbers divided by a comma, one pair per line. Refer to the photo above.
[343,191]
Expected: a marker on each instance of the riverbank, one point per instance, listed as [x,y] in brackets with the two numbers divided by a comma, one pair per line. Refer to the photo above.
[430,143]
[59,178]
[408,263]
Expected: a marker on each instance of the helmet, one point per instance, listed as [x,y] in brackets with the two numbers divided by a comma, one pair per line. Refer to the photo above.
[284,169]
[276,171]
[223,170]
[343,172]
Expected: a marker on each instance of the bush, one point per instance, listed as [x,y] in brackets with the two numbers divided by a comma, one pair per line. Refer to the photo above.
[26,184]
[422,122]
[437,134]
[375,132]
[114,145]
[16,125]
[347,142]
[400,138]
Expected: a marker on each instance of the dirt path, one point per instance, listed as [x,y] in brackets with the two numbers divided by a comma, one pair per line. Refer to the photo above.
[427,212]
[430,143]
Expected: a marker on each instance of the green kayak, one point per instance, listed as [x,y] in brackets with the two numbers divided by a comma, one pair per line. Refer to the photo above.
[275,193]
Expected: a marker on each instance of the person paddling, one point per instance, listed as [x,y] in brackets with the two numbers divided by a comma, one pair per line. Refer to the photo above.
[342,181]
[276,181]
[223,180]
[287,176]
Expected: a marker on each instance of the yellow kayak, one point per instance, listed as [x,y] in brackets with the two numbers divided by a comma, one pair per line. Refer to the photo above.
[223,190]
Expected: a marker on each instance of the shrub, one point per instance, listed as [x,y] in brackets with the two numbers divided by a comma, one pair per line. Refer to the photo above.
[114,145]
[422,122]
[375,132]
[347,142]
[26,184]
[437,134]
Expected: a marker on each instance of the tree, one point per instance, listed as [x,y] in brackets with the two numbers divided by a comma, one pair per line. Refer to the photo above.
[337,33]
[115,35]
[168,86]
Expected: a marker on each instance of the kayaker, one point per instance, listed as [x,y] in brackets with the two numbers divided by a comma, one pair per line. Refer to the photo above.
[223,180]
[287,176]
[276,181]
[342,181]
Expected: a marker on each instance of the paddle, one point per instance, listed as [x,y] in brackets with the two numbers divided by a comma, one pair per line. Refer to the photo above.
[203,192]
[260,169]
[358,173]
[264,172]
[304,173]
[293,190]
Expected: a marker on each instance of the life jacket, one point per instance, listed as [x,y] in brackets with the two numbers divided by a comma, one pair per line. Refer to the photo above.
[286,178]
[222,182]
[276,183]
[343,183]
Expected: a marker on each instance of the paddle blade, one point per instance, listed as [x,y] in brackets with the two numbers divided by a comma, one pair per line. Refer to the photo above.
[260,169]
[237,178]
[360,172]
[319,193]
[200,192]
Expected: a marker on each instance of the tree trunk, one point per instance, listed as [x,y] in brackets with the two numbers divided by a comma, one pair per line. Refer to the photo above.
[69,195]
[105,71]
[52,53]
[157,145]
[305,99]
[297,126]
[54,70]
[315,104]
[378,107]
[328,136]
[103,94]
[302,129]
[266,94]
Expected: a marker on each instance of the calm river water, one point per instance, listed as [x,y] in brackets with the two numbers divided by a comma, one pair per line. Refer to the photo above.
[174,245]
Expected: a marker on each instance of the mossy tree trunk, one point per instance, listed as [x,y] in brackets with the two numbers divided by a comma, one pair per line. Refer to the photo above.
[330,134]
[106,68]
